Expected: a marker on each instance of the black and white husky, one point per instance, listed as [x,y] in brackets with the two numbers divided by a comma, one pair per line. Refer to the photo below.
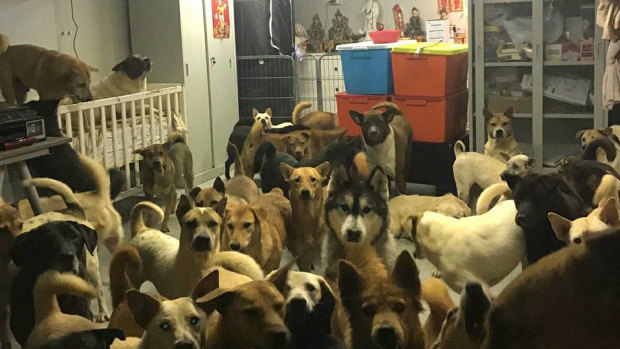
[356,212]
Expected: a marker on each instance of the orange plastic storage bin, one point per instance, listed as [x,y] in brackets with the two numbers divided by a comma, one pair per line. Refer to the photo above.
[359,103]
[435,120]
[438,70]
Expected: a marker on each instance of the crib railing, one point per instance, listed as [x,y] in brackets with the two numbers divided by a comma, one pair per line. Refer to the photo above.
[109,130]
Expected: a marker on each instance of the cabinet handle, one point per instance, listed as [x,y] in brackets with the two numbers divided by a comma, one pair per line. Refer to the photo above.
[537,51]
[186,69]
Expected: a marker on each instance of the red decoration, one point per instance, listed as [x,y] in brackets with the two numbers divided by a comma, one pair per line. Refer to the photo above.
[399,23]
[221,19]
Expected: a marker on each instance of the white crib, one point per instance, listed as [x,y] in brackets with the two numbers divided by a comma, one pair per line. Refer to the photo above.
[122,125]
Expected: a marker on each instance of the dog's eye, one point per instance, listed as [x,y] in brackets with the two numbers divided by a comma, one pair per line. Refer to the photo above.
[493,124]
[505,124]
[515,166]
[577,241]
[298,179]
[369,310]
[246,225]
[213,203]
[251,145]
[313,180]
[252,312]
[212,224]
[230,226]
[366,209]
[399,308]
[191,224]
[310,288]
[451,313]
[344,207]
[72,235]
[583,140]
[278,307]
[164,326]
[194,320]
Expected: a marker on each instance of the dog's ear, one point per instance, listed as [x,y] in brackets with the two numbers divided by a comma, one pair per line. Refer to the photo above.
[92,69]
[279,277]
[339,177]
[220,207]
[406,275]
[509,112]
[349,281]
[530,162]
[108,335]
[143,307]
[120,66]
[550,182]
[504,156]
[220,300]
[560,225]
[141,152]
[305,134]
[357,117]
[323,169]
[88,234]
[327,294]
[219,186]
[609,213]
[254,112]
[286,170]
[511,179]
[23,248]
[194,192]
[208,284]
[579,134]
[475,306]
[286,138]
[269,112]
[487,114]
[389,114]
[185,204]
[378,181]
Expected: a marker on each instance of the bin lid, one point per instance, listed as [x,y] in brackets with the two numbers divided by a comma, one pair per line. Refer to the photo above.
[368,45]
[426,48]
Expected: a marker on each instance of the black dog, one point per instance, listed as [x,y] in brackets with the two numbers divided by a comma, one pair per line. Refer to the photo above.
[589,153]
[536,195]
[585,176]
[91,339]
[55,245]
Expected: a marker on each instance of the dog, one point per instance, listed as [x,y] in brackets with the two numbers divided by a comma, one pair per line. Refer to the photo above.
[480,248]
[315,120]
[258,230]
[585,176]
[320,139]
[55,245]
[51,73]
[237,137]
[435,295]
[176,266]
[297,144]
[256,307]
[265,119]
[179,323]
[604,150]
[377,310]
[536,195]
[465,327]
[128,77]
[239,188]
[577,284]
[308,213]
[404,206]
[587,136]
[356,213]
[580,229]
[388,140]
[159,172]
[50,322]
[501,143]
[10,227]
[89,339]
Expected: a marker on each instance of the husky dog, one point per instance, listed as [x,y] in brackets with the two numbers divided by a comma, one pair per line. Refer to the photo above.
[356,212]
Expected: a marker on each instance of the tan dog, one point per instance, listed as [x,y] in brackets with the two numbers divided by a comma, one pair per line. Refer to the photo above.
[315,120]
[501,143]
[297,144]
[51,73]
[404,206]
[10,227]
[256,307]
[254,139]
[598,221]
[179,323]
[265,119]
[435,294]
[128,77]
[259,229]
[176,266]
[377,307]
[308,226]
[50,322]
[587,136]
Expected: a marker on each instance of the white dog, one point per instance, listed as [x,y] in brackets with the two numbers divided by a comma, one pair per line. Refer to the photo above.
[598,221]
[482,248]
[265,119]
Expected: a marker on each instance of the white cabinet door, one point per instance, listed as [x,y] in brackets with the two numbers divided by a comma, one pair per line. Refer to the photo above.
[222,77]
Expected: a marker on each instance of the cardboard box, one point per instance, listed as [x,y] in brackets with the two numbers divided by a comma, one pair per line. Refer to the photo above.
[438,31]
[553,52]
[499,104]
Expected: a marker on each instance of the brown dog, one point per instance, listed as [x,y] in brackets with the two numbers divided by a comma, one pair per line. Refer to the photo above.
[254,139]
[308,216]
[250,315]
[316,120]
[377,308]
[51,73]
[320,139]
[259,229]
[297,144]
[501,144]
[10,226]
[435,294]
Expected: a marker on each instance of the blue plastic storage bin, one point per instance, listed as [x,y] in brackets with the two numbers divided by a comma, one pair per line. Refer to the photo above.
[367,67]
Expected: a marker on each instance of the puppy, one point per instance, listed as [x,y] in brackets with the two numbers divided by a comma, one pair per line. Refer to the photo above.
[10,227]
[356,213]
[51,73]
[377,309]
[388,141]
[577,284]
[128,77]
[308,226]
[297,144]
[479,248]
[580,229]
[258,229]
[89,339]
[56,245]
[501,142]
[315,120]
[175,266]
[179,323]
[265,119]
[50,322]
[404,206]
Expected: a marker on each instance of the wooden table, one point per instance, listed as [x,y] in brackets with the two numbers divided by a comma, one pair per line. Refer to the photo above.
[19,156]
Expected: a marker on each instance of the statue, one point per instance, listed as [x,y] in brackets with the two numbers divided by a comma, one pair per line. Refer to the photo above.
[371,14]
[340,32]
[443,14]
[317,34]
[414,27]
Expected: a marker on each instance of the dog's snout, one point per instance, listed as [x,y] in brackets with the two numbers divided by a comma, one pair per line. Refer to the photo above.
[299,155]
[280,337]
[499,132]
[157,164]
[353,235]
[385,337]
[185,345]
[305,194]
[296,305]
[519,219]
[373,132]
[235,246]
[202,243]
[263,121]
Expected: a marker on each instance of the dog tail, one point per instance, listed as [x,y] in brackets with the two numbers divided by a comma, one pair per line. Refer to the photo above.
[52,283]
[4,43]
[237,262]
[605,143]
[459,148]
[176,137]
[387,105]
[137,222]
[68,196]
[100,176]
[608,188]
[233,153]
[126,257]
[488,196]
[265,153]
[298,109]
[435,294]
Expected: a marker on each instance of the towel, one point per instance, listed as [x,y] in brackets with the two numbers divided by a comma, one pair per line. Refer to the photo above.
[611,79]
[609,12]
